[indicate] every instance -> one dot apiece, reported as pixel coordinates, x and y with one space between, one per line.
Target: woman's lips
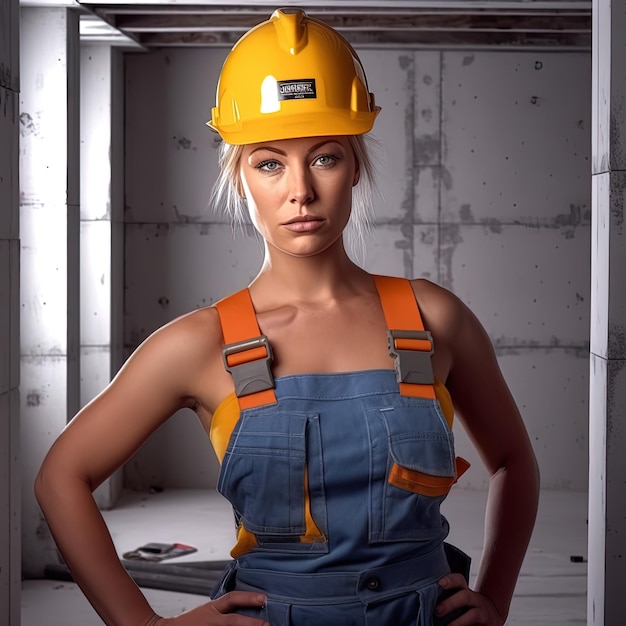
304 224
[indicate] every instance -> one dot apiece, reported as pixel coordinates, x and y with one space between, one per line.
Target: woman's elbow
520 466
43 484
52 480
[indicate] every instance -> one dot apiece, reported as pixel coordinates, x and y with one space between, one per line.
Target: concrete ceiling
529 24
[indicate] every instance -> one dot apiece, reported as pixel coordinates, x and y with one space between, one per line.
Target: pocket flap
425 484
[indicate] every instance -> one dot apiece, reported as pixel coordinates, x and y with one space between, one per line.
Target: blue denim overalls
336 483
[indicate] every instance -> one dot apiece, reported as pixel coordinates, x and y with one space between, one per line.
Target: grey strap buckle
250 376
412 366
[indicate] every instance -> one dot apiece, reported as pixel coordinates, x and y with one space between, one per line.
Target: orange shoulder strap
248 356
412 348
409 344
247 353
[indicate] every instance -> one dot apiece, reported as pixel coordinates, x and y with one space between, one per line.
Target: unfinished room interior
502 178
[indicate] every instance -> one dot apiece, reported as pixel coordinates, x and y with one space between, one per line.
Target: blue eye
268 166
325 160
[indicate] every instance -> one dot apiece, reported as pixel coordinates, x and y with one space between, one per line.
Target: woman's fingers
453 581
478 608
226 604
236 599
460 600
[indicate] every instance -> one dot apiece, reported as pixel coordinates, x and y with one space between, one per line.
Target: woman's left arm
492 420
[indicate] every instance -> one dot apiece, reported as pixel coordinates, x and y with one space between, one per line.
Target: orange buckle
412 351
249 363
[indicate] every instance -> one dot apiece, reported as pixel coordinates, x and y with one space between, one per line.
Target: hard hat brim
302 125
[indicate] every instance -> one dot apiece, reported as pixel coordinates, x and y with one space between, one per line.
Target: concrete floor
551 590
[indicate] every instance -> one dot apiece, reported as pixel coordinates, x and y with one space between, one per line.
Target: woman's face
299 191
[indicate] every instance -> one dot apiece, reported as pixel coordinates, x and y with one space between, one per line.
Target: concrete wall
10 519
101 228
49 232
486 191
607 416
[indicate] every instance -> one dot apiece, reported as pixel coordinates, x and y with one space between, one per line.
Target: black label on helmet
296 89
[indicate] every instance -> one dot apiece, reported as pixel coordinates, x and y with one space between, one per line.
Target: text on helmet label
296 89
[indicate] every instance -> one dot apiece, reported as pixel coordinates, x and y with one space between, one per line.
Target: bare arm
486 407
489 413
158 379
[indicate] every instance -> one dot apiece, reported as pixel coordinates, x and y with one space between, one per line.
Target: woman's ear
357 175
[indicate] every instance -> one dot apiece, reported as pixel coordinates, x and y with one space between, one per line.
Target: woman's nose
301 188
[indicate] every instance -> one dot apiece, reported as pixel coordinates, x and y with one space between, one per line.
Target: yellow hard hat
291 76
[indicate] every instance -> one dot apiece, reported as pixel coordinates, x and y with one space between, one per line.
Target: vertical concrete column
49 217
10 489
101 228
607 419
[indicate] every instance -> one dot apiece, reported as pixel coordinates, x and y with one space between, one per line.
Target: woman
321 386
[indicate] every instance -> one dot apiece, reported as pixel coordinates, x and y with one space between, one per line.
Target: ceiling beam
573 23
439 23
413 39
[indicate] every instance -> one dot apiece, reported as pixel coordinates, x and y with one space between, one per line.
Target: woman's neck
319 279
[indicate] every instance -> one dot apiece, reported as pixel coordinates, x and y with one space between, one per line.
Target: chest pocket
411 450
266 477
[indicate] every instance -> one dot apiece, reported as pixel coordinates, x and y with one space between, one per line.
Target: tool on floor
159 551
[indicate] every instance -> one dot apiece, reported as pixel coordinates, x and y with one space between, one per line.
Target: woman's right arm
160 378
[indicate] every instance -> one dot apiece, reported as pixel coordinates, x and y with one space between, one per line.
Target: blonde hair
227 197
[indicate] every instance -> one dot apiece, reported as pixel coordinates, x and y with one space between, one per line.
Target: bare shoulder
188 338
179 356
459 337
193 333
443 313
